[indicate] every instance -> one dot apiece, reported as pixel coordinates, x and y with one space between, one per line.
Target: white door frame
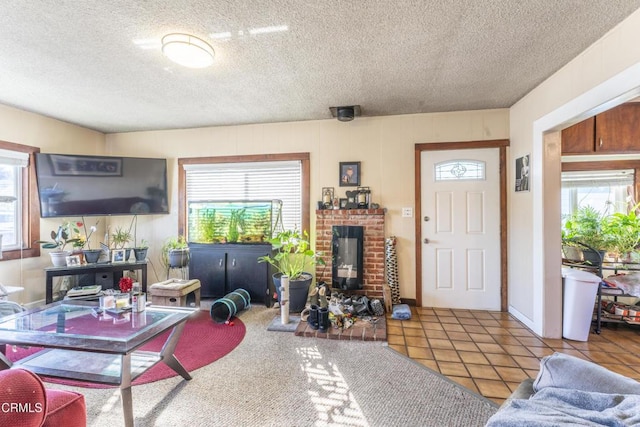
502 145
547 282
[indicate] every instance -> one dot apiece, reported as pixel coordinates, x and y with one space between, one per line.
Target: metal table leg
167 353
125 390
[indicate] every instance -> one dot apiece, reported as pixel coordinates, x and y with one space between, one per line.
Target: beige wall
51 136
605 74
384 145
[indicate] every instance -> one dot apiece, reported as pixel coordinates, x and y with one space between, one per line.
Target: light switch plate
407 212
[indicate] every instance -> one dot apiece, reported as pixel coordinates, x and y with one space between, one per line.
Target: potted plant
60 238
571 251
90 255
119 239
624 232
292 253
140 251
585 226
175 252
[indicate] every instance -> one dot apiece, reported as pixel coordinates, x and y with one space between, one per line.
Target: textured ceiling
98 63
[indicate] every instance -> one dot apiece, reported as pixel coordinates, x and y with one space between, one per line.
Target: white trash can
579 294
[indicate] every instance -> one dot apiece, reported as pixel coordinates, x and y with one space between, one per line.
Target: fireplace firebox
347 257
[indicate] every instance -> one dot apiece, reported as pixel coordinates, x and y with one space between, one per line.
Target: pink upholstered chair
24 402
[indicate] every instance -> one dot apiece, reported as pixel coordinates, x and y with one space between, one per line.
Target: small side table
174 292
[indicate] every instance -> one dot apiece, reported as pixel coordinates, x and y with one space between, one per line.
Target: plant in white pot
60 238
292 254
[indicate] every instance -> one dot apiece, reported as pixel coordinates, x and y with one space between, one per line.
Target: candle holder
327 197
363 197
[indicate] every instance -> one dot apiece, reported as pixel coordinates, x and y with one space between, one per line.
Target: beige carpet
279 379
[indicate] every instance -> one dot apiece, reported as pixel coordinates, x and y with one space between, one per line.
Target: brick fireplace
372 221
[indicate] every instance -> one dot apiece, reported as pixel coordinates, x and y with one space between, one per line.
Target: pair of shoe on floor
318 318
318 296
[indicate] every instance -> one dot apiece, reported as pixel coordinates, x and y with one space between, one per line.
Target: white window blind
279 180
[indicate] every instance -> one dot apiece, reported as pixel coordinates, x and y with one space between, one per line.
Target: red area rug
202 342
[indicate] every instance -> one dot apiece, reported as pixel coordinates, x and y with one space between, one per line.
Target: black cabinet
222 268
208 264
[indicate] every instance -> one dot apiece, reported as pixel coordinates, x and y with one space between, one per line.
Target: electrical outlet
407 212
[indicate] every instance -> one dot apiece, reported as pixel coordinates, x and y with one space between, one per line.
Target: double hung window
279 177
19 219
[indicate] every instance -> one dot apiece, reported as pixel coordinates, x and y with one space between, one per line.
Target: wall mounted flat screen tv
75 185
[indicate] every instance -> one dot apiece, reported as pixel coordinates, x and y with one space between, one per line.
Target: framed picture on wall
522 173
349 174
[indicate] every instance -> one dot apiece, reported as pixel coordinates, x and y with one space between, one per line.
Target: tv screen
75 185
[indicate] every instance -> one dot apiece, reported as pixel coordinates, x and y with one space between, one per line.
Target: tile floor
490 353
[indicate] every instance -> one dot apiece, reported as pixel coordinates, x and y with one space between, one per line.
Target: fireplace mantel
324 213
374 240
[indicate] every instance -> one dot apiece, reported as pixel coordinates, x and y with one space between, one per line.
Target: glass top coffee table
84 345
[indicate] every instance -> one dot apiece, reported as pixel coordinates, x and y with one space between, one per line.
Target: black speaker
345 114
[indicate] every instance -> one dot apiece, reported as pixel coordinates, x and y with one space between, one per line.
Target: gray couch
571 391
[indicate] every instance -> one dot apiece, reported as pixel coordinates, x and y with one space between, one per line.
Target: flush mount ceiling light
345 113
188 51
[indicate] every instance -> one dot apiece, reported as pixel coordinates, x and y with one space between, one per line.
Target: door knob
426 218
426 241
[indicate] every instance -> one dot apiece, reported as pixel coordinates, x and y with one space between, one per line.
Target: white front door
461 228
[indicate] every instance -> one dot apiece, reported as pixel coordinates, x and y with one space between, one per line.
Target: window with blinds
11 166
277 180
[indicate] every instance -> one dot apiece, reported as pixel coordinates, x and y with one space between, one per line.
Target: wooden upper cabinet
618 130
579 138
614 131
